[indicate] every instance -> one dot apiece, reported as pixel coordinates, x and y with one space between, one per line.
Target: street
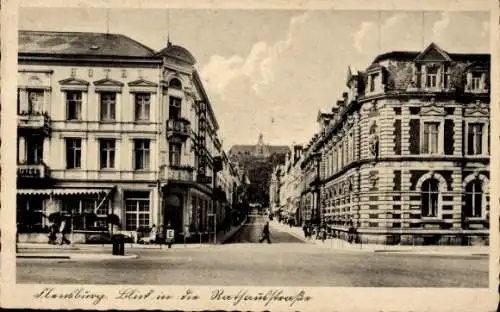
252 232
286 261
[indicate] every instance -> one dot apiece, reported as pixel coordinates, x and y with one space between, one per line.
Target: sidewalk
29 248
338 244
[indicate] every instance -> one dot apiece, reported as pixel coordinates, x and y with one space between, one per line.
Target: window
174 156
30 215
446 78
431 136
476 81
35 101
351 147
136 210
430 198
431 77
142 106
473 199
73 153
74 105
108 105
102 212
174 111
175 84
107 153
141 154
34 150
475 139
372 82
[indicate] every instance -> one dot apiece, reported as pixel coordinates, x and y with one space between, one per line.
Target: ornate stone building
108 126
403 156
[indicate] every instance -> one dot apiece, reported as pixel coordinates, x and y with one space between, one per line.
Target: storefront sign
29 173
204 179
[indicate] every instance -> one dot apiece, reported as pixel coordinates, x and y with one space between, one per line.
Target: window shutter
482 82
414 136
424 76
448 136
468 85
397 136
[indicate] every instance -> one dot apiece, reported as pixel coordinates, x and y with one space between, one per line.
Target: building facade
403 156
107 126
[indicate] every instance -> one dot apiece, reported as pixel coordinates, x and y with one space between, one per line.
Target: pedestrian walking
265 234
304 228
53 233
63 229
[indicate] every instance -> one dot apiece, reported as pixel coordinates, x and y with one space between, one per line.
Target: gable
142 83
73 82
108 82
433 53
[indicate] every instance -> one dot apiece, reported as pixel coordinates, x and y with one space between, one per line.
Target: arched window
430 198
175 83
473 199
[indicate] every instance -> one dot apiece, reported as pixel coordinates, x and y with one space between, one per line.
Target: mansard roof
81 43
431 49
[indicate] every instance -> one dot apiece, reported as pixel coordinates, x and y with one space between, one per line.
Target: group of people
320 231
58 231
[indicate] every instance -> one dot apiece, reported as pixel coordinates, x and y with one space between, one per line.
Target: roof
411 55
179 53
273 149
80 43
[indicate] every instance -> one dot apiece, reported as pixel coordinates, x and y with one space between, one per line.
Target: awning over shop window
64 191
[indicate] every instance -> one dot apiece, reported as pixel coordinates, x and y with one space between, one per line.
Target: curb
97 257
231 234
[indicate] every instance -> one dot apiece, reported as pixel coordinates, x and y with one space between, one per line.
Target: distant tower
260 148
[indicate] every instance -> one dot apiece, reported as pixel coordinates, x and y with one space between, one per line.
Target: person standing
265 234
168 229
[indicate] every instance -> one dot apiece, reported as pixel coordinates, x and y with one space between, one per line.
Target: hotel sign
29 172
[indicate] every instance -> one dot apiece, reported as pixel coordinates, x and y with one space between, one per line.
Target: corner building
404 155
108 126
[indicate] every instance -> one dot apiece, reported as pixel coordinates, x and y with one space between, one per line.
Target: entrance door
173 212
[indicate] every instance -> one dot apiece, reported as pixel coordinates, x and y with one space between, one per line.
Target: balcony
34 121
36 171
180 173
178 129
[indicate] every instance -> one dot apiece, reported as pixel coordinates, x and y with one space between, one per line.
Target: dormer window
476 81
431 77
373 78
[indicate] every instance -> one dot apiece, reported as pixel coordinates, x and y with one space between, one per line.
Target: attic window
94 47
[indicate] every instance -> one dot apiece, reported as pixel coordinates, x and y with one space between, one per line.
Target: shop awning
64 191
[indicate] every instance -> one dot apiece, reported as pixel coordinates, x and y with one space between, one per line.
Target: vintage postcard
309 156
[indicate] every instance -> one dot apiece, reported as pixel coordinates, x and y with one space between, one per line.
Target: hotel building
108 126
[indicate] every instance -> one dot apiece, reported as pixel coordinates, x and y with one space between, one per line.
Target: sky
271 71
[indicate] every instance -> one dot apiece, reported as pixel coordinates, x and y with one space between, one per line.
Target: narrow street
251 232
